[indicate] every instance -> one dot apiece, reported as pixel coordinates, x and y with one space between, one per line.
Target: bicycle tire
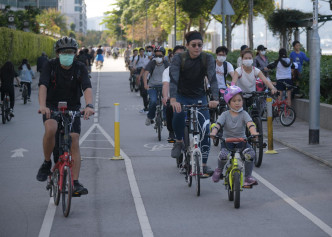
229 189
197 176
237 189
159 124
25 94
258 144
67 191
131 84
188 166
55 187
287 118
3 112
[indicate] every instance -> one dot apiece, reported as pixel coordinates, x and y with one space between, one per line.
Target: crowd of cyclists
187 75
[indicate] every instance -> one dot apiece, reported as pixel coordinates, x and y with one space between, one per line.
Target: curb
303 152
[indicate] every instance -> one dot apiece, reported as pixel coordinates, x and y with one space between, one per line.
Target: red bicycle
60 181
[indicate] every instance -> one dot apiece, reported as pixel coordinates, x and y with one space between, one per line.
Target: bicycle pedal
76 195
247 186
205 176
171 140
264 145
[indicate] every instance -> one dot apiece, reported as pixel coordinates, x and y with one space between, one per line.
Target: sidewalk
296 137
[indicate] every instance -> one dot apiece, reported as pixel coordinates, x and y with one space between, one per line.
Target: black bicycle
25 92
159 112
254 111
5 109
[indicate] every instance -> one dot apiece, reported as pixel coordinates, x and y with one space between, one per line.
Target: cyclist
26 74
127 54
234 123
7 75
40 61
245 77
223 68
239 59
188 71
284 67
144 93
92 54
155 68
169 110
139 64
100 56
132 60
261 61
63 79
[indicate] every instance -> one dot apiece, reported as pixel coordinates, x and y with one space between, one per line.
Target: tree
72 26
54 21
283 22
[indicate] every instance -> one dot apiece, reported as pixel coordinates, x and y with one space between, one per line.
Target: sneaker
44 171
141 111
79 189
177 149
217 175
29 99
11 113
148 122
146 110
171 136
207 171
248 181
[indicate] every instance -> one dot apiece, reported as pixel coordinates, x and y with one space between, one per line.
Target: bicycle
132 82
60 181
159 112
281 109
25 92
233 169
222 107
254 112
192 162
5 109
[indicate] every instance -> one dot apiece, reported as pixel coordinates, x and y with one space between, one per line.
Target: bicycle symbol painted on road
158 147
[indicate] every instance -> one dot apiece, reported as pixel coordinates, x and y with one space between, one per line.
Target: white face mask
237 111
247 62
263 52
149 54
221 58
158 60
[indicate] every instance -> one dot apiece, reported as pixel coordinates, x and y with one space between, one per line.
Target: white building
75 11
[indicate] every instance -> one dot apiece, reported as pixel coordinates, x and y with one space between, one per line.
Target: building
75 10
21 4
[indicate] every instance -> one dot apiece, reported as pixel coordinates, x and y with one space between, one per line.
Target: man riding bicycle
188 71
63 79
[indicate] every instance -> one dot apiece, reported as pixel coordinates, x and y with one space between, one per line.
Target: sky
98 7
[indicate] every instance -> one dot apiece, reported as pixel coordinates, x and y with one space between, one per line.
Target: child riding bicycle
234 123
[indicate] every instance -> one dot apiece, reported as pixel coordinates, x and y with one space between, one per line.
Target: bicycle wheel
55 186
237 189
257 145
25 94
159 124
67 191
197 176
188 165
3 112
131 85
229 189
287 116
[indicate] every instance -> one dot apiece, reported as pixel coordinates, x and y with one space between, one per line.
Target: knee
50 129
223 155
249 154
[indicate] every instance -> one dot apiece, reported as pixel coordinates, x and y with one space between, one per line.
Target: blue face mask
66 59
149 54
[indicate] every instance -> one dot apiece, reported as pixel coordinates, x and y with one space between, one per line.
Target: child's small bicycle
233 170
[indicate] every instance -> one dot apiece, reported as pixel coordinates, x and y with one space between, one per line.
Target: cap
243 47
261 47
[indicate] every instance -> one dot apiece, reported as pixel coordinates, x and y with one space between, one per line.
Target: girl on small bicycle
284 67
245 76
26 75
234 123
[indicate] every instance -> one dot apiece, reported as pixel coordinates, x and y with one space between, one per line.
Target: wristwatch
89 106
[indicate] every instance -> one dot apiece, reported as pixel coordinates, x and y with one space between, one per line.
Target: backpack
185 55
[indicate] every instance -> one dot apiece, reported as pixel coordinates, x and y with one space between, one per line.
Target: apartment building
75 10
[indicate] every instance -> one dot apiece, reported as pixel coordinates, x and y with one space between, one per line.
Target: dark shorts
76 126
281 86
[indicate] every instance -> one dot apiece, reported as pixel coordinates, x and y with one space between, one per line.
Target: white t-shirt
284 72
166 77
247 81
141 62
221 76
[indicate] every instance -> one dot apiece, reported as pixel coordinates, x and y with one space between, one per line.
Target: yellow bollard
270 149
117 134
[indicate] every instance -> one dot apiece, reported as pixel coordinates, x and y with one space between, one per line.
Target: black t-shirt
191 82
64 85
99 51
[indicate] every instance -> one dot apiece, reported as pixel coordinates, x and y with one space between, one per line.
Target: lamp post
174 24
11 20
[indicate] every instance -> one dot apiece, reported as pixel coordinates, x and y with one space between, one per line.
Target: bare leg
49 138
76 155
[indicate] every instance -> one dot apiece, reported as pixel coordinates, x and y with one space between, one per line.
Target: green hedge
16 45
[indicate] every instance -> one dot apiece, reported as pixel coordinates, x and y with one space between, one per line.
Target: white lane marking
284 148
139 205
48 220
158 147
96 148
94 157
96 117
18 152
318 222
96 140
45 229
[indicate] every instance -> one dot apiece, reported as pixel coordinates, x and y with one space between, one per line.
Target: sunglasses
67 51
158 56
195 45
149 51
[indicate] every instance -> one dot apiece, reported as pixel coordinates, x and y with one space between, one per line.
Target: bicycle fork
196 153
234 166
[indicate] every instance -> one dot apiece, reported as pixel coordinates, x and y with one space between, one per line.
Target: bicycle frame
236 165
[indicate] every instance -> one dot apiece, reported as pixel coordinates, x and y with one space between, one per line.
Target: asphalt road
144 194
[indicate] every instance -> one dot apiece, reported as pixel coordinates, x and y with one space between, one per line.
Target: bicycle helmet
160 49
66 43
230 92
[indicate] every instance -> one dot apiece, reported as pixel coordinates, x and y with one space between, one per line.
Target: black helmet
160 49
66 43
